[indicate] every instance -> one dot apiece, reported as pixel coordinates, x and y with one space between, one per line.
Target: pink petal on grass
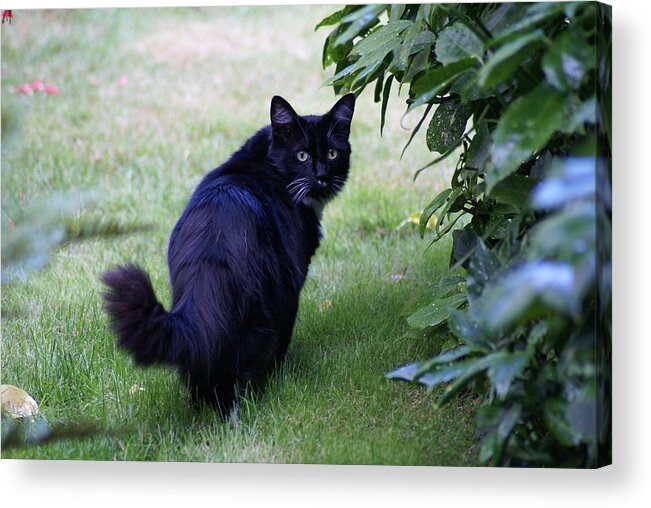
37 84
24 89
123 80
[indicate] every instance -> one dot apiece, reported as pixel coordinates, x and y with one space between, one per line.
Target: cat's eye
332 154
302 155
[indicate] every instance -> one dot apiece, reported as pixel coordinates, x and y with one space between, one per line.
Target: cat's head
314 151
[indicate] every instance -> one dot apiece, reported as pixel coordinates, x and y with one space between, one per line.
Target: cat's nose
321 173
322 183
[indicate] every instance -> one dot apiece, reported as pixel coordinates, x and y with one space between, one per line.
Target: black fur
238 258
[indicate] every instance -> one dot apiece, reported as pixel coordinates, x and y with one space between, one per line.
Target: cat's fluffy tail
143 326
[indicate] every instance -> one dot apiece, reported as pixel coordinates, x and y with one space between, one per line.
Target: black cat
238 257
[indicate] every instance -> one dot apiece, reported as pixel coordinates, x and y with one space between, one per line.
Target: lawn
149 101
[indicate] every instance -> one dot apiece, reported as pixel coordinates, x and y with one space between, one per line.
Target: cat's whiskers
298 180
295 187
302 192
298 188
295 183
338 183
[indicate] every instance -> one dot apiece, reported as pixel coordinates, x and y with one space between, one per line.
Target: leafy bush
31 232
33 229
523 100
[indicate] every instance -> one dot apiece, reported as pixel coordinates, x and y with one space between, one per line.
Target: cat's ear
342 113
283 117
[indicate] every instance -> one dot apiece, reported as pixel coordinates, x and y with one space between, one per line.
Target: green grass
199 83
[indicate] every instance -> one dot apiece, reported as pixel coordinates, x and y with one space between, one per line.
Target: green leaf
447 126
385 36
344 85
482 268
407 46
527 125
385 101
443 375
514 18
504 17
435 205
581 413
43 225
435 80
471 369
572 179
442 372
419 63
341 74
449 222
405 373
335 17
466 87
505 61
366 75
502 224
531 290
359 21
556 420
450 344
480 147
454 203
371 52
449 285
499 422
396 12
420 43
335 53
567 235
417 128
440 158
436 312
435 371
504 370
464 243
514 190
568 60
584 113
379 83
85 228
457 42
468 329
444 359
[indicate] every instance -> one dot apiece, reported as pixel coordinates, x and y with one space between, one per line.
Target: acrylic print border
625 481
40 89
